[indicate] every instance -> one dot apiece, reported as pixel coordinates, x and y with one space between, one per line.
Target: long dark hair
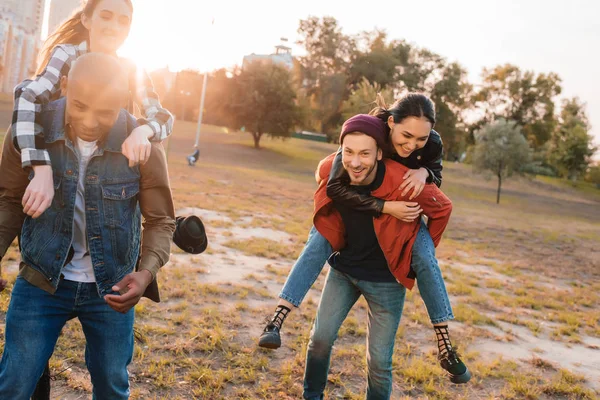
70 31
411 105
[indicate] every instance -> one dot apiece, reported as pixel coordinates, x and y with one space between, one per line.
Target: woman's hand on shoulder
40 191
414 179
137 146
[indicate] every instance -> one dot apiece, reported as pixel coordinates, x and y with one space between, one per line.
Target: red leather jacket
395 237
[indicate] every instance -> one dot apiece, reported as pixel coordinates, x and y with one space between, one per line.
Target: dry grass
532 262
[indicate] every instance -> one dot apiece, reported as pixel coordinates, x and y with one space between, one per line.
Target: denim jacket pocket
119 202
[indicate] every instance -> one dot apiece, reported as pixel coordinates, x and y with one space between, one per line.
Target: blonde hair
71 31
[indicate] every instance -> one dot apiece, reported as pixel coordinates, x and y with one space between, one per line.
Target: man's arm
156 204
13 182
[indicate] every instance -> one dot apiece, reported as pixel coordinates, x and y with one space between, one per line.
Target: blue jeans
307 268
33 323
431 284
429 278
385 302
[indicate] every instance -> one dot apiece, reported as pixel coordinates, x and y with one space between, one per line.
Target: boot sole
268 344
459 379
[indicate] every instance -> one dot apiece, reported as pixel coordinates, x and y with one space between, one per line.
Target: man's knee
110 381
379 362
320 345
17 379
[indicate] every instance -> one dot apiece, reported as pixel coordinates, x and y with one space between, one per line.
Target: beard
363 177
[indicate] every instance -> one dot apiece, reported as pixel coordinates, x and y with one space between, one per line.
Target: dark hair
411 105
71 31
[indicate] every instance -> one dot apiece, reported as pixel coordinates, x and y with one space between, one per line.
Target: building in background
27 14
20 30
60 10
282 56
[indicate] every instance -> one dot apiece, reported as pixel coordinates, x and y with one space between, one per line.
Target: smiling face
92 109
108 25
359 157
409 135
95 90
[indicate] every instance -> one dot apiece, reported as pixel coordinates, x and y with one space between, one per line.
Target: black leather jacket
428 157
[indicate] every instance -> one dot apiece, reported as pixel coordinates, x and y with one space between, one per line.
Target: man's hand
40 191
132 288
415 179
137 146
403 210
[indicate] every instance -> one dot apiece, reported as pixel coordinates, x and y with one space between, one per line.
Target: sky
543 36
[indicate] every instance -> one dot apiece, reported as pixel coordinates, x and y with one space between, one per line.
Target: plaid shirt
31 94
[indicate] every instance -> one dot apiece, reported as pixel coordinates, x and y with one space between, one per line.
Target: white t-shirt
80 268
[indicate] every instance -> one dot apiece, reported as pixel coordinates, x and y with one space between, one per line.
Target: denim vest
112 211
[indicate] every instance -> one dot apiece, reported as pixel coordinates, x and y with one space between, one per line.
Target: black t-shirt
362 258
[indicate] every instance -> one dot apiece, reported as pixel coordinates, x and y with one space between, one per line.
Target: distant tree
220 95
502 149
325 69
422 70
362 99
519 96
328 50
593 174
571 147
183 98
451 93
377 62
264 101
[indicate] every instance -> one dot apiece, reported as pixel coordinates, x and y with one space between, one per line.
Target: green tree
362 98
422 70
519 96
571 148
324 69
451 93
377 63
264 101
328 50
593 175
502 149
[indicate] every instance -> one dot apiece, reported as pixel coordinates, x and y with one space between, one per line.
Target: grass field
524 280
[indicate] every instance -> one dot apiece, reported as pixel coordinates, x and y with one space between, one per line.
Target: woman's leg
435 296
302 276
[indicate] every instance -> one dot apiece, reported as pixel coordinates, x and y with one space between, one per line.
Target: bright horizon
543 36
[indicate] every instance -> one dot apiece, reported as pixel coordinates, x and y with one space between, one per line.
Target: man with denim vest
84 257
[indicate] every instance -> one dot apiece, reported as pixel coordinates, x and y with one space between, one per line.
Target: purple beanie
367 124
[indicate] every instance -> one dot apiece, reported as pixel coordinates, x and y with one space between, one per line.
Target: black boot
270 338
42 390
448 357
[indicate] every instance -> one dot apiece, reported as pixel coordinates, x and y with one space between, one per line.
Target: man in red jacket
372 256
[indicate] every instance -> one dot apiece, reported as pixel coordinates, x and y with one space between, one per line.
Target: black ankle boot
448 357
270 338
457 370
